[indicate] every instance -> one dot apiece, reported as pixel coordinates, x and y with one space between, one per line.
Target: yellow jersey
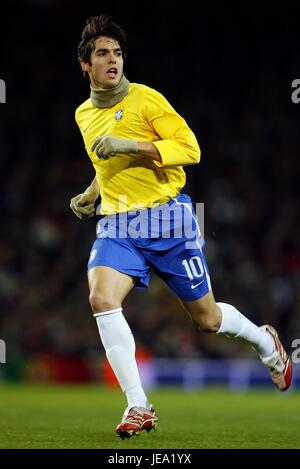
131 181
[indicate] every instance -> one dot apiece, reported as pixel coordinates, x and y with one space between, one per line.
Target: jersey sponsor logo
119 114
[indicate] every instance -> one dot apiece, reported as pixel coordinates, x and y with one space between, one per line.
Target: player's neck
111 96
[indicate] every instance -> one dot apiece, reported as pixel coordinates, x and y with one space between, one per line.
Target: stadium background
229 74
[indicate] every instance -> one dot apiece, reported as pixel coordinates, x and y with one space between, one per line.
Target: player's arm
149 150
83 205
107 146
177 144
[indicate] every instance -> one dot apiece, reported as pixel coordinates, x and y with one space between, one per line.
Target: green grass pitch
40 416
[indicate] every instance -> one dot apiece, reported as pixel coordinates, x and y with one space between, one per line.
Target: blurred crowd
236 98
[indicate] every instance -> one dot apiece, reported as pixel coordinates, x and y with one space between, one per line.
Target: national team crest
119 114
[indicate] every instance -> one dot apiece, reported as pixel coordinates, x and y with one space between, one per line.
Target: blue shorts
166 239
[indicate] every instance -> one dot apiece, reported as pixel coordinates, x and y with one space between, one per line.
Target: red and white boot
279 363
136 419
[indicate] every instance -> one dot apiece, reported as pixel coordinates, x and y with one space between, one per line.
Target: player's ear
85 67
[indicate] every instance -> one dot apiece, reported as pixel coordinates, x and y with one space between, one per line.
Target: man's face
107 63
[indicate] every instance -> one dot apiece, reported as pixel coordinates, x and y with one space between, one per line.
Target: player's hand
83 205
107 146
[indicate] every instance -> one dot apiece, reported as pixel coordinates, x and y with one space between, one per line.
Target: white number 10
193 267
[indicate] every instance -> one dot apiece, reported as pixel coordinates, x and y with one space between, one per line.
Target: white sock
119 345
236 325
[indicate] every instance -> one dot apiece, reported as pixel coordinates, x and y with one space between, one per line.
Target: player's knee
208 325
208 321
101 302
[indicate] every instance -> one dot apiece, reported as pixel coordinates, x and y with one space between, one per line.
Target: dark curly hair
96 26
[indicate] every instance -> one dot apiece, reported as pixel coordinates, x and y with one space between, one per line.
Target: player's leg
182 265
108 288
224 318
191 282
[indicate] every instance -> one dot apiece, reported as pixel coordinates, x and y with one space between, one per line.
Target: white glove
107 146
